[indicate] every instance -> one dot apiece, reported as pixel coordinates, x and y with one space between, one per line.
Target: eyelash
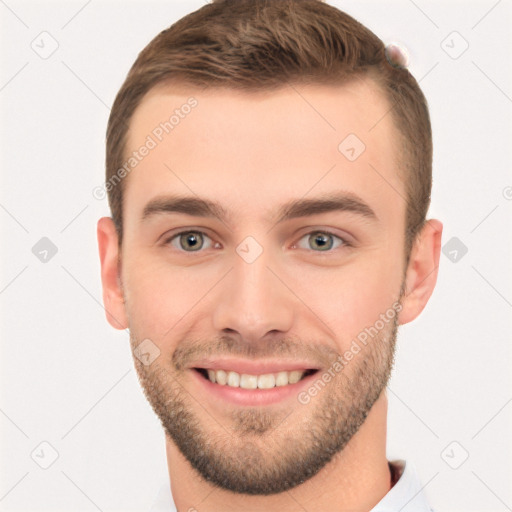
344 243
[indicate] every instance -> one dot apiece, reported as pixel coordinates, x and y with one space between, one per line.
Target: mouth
232 379
239 382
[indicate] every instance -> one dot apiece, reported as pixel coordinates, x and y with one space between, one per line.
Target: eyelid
345 239
170 237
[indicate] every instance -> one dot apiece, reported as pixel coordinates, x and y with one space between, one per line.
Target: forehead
253 149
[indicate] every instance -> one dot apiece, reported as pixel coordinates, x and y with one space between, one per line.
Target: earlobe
113 298
421 275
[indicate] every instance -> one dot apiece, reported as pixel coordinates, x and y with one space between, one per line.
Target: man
293 153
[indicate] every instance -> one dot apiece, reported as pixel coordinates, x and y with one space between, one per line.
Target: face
261 268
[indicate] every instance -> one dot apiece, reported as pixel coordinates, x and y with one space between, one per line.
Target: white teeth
233 379
247 381
221 377
266 381
282 379
294 377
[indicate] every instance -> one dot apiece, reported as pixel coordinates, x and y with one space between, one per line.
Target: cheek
352 298
155 297
161 297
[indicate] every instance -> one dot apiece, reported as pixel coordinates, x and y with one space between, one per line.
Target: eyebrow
199 207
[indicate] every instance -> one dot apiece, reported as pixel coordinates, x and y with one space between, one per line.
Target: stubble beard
263 451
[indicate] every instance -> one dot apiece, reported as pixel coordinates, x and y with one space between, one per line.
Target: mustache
227 346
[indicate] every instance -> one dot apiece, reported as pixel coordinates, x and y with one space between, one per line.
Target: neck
355 480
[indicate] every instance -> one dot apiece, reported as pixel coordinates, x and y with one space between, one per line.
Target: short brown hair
262 45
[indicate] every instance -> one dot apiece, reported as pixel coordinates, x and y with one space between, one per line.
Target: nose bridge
253 280
253 301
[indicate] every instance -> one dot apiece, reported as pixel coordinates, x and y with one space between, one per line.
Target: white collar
406 494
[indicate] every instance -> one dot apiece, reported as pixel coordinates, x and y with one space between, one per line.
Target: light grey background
67 377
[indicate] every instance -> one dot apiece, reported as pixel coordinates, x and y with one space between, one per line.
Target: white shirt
405 496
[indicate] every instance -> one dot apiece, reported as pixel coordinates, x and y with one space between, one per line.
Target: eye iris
320 239
193 239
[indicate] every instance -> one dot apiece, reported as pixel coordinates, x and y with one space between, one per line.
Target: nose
253 300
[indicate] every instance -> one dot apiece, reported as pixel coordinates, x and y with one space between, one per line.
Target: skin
253 152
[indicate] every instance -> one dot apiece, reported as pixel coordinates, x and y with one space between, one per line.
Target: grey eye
191 241
321 241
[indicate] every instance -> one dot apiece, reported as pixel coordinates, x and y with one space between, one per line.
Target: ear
421 274
113 298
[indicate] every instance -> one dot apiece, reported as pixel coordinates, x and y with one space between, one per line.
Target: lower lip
240 396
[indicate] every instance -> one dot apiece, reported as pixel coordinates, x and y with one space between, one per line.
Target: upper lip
254 367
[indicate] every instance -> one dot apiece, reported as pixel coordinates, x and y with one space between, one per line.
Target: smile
247 381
